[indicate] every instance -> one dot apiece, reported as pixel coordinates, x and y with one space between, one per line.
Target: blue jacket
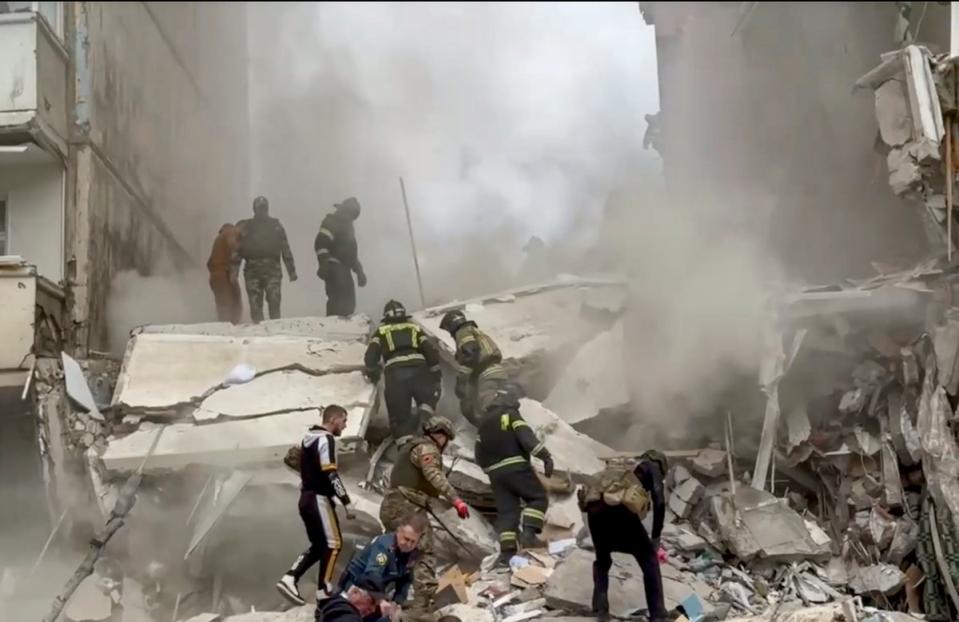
382 560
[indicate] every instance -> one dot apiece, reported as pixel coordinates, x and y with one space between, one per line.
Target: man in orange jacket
224 268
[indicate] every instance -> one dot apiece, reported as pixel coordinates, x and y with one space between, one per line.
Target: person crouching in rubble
417 477
503 451
480 359
356 604
615 502
388 560
320 482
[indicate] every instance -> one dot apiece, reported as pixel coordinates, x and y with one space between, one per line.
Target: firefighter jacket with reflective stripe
336 241
506 441
475 351
400 343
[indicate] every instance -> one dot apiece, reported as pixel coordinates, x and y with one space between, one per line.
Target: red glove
461 508
661 555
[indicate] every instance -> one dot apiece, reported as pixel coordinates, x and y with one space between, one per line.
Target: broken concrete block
593 381
769 529
467 613
573 452
77 388
709 462
686 540
563 515
903 540
88 603
884 578
685 496
474 532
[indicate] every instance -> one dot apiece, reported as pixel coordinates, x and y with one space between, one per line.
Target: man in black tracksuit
412 366
503 450
337 256
320 482
616 529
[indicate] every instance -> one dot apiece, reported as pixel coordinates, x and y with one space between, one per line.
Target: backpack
616 486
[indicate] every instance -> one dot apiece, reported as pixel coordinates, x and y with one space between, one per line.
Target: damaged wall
162 156
766 119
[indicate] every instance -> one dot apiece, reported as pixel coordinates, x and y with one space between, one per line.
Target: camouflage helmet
452 321
439 423
658 457
394 310
261 201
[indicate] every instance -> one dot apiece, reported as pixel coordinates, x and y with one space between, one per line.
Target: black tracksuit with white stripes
320 482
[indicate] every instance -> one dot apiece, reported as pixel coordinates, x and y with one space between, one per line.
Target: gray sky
506 120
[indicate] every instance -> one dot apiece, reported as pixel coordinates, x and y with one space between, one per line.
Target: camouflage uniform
417 477
262 244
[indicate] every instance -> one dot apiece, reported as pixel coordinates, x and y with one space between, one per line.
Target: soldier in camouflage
262 244
416 478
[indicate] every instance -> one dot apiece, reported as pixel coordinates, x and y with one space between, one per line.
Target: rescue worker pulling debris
503 450
337 256
417 477
615 502
262 244
480 372
319 483
412 369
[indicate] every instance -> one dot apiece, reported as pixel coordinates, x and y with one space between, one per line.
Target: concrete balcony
33 82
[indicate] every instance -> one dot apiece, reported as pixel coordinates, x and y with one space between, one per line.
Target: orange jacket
223 257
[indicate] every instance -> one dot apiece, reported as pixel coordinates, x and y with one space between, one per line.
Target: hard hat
394 310
260 201
350 206
452 321
508 395
439 423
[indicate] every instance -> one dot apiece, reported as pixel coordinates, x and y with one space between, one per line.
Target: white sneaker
286 586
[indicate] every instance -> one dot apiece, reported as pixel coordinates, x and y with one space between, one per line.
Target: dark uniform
320 482
337 256
383 562
503 450
480 371
262 244
616 529
412 367
416 478
338 608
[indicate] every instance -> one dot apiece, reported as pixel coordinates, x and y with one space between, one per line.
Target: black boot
528 539
600 594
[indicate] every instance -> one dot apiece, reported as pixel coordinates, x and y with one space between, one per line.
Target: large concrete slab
244 442
168 366
537 328
572 451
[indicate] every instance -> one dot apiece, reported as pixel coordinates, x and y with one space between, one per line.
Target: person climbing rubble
320 482
615 502
503 450
337 255
262 243
412 369
479 358
389 560
224 266
358 603
416 478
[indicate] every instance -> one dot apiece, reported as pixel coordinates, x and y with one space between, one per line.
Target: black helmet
260 201
508 395
658 457
452 321
439 423
394 310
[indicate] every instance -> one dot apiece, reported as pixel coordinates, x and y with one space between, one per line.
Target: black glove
548 465
373 374
361 279
323 270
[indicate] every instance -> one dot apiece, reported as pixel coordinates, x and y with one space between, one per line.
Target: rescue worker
337 255
224 268
389 560
262 244
320 482
615 503
416 478
503 450
356 604
480 372
412 365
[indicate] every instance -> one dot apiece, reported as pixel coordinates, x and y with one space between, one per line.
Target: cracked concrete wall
766 120
161 160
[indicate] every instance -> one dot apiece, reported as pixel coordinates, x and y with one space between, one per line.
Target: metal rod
416 260
53 534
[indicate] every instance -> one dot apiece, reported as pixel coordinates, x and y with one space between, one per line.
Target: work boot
528 539
286 586
503 560
600 595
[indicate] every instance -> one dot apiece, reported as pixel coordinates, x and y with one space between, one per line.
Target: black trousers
511 491
614 529
340 290
323 530
403 386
